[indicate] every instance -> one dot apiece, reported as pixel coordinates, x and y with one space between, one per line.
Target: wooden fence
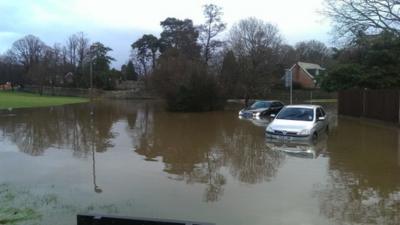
375 104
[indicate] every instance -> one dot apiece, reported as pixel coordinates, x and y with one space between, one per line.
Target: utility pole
289 82
91 78
291 86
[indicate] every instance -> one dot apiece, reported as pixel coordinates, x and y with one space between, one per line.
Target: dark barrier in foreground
108 220
375 104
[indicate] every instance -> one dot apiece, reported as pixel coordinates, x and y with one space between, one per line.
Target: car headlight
304 132
270 130
257 114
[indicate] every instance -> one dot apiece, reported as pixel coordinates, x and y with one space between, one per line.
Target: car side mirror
321 118
272 115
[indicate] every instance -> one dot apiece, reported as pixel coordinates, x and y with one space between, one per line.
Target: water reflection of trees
364 182
247 156
195 147
36 130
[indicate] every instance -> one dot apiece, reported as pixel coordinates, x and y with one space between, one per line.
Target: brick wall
302 78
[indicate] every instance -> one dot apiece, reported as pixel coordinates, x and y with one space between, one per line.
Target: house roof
308 66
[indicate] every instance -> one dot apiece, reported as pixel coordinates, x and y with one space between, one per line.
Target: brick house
304 75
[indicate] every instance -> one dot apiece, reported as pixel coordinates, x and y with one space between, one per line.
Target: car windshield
258 105
292 113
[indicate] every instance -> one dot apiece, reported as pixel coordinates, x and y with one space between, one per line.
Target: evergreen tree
130 72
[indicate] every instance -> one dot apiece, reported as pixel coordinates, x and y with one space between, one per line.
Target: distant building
68 78
6 86
304 75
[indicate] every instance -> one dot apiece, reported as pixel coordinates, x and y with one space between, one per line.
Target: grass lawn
10 99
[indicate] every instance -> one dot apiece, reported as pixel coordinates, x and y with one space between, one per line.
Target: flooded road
132 158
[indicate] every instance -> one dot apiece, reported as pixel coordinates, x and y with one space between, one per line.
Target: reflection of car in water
298 122
261 108
301 149
259 122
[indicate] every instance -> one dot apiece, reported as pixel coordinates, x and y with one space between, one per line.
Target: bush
185 84
341 77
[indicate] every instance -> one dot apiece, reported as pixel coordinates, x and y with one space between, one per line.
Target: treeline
370 56
31 61
197 67
251 60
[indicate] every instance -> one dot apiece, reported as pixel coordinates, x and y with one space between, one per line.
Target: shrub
186 84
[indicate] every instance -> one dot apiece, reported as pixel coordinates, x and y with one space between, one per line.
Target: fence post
398 148
398 115
364 102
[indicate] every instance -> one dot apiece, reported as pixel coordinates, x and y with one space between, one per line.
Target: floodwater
132 158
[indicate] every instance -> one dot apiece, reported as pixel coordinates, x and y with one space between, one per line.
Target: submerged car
298 122
261 109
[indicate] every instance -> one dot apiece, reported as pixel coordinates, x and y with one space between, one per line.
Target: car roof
303 106
268 101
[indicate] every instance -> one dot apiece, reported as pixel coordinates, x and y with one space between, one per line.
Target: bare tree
64 55
287 55
82 49
10 69
256 45
28 50
253 37
210 29
57 63
366 16
312 51
41 72
76 54
10 57
72 49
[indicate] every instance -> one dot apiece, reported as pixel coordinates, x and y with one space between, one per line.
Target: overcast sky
118 23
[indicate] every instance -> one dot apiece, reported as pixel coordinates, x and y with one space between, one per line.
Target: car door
325 122
320 124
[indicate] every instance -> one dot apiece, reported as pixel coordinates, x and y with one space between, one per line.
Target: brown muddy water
132 158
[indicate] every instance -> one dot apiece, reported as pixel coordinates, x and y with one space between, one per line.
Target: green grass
10 99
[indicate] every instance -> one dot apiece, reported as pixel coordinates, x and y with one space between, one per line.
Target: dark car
261 108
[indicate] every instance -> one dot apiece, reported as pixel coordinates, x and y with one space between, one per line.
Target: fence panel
382 105
375 104
350 102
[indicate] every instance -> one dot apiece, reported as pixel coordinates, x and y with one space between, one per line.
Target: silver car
296 122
